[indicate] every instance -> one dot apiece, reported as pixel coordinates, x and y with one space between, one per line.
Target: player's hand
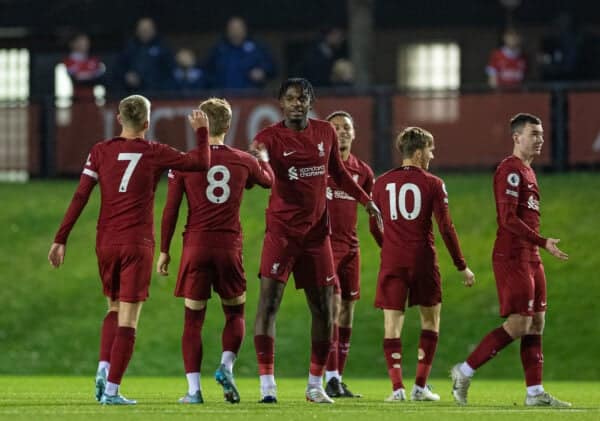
259 152
469 277
198 119
162 266
56 255
551 246
374 211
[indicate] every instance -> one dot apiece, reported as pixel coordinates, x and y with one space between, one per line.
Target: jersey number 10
398 201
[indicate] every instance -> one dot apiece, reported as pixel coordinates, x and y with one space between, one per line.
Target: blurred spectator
146 64
188 75
507 65
237 61
318 62
562 52
342 73
84 70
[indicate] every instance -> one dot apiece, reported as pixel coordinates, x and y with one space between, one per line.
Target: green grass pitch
51 318
68 398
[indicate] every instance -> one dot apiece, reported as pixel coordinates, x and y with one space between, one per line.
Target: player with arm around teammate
212 246
518 268
346 253
408 197
302 153
128 168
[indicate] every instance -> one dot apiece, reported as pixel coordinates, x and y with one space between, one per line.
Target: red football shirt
301 161
408 197
214 197
518 211
508 66
342 206
128 172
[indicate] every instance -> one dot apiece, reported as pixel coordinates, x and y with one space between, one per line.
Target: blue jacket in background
228 66
152 61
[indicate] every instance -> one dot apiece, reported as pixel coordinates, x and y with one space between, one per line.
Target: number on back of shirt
398 201
218 191
133 159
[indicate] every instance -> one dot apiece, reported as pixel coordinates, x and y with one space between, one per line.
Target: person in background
189 77
319 60
507 65
84 70
146 64
237 61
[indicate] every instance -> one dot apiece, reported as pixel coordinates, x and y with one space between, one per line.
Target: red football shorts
125 271
521 286
347 267
309 259
206 267
420 283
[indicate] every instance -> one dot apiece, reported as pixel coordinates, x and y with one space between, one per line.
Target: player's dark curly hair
302 83
520 120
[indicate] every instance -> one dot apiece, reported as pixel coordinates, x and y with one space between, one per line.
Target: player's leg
532 356
132 279
107 337
516 296
232 337
350 295
191 348
393 321
332 375
430 327
269 300
122 349
320 300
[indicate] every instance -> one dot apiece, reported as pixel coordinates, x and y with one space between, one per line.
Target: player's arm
175 190
344 180
197 159
446 227
87 181
506 185
261 172
374 227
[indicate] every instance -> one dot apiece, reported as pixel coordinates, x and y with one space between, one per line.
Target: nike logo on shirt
288 153
330 278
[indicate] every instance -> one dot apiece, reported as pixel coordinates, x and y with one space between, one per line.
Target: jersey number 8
398 201
213 184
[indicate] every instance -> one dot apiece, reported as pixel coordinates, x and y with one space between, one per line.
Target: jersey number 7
133 159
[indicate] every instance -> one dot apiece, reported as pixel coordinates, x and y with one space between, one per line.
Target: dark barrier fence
471 129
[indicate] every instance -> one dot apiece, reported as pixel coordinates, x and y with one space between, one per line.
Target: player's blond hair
134 111
412 139
218 112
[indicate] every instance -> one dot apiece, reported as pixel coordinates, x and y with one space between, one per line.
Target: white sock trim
103 364
535 390
112 389
193 380
467 370
331 374
227 359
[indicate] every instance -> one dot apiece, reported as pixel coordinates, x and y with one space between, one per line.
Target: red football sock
265 354
532 359
235 328
319 351
109 330
343 347
392 349
332 358
191 339
427 346
121 352
487 349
